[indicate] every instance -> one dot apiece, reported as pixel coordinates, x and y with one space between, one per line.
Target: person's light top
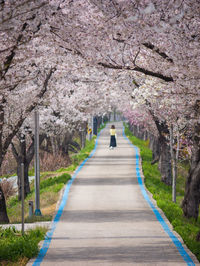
112 132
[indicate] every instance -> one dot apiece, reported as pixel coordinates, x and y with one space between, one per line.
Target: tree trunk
83 138
191 200
99 122
25 157
151 140
133 129
140 132
64 145
109 117
130 126
145 136
165 162
165 156
155 147
54 145
137 132
114 114
21 157
26 180
3 212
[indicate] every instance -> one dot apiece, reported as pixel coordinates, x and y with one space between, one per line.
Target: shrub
50 162
9 164
13 245
63 179
8 188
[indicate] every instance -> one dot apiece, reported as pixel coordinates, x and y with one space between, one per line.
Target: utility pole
173 163
92 125
22 195
37 165
102 123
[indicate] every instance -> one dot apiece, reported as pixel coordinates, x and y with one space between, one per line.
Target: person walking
113 136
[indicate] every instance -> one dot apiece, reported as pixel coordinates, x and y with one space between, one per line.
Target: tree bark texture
165 163
83 138
165 155
3 212
64 147
191 199
54 145
146 135
155 147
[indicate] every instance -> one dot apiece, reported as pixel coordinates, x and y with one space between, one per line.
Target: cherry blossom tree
103 52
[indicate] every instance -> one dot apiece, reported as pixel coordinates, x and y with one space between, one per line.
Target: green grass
102 126
8 175
49 189
83 154
14 245
52 181
31 172
187 228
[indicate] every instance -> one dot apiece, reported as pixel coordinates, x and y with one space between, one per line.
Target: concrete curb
27 226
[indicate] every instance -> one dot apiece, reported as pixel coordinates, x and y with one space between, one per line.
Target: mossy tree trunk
191 199
165 161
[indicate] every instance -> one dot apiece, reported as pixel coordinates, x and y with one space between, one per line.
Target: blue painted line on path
175 240
49 234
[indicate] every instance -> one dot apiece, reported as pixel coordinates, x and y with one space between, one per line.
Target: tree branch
136 57
10 57
27 111
138 69
157 50
14 151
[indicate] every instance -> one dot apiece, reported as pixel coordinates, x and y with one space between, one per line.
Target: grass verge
186 228
17 249
102 126
49 195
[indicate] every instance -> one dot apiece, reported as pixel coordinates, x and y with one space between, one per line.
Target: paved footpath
106 220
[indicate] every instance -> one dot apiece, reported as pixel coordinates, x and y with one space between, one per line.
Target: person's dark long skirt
113 141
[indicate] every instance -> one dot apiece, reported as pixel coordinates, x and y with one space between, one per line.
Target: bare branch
138 69
134 61
14 151
157 50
